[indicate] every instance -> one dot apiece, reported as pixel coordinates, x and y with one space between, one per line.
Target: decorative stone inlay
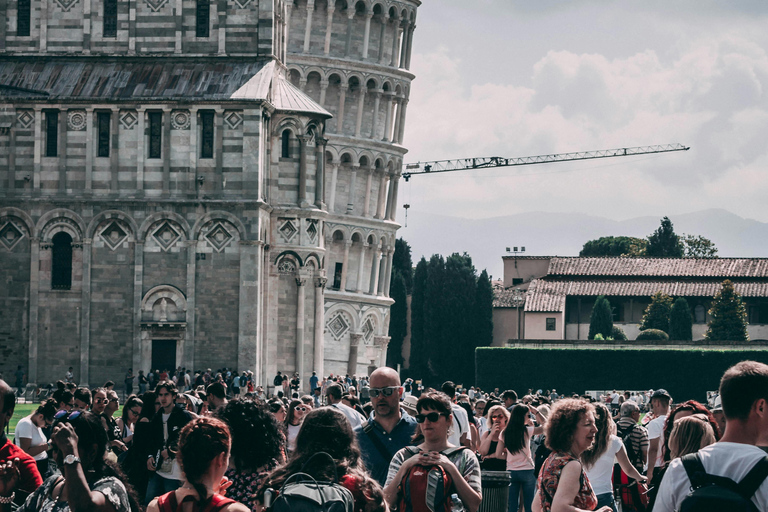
368 329
286 266
128 118
242 3
76 120
113 235
166 235
156 5
233 119
25 118
66 5
180 119
338 325
10 235
312 230
288 230
219 237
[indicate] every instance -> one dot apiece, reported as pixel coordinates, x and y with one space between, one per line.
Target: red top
30 478
167 502
549 477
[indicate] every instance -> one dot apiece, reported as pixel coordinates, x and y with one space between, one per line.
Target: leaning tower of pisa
353 58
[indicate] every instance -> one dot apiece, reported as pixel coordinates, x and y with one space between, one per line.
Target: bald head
384 376
7 403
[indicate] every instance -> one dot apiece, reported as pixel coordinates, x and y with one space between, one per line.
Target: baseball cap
660 393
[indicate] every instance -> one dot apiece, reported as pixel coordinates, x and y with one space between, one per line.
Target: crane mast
464 164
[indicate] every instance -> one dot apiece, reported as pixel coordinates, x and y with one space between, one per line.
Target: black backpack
302 493
720 493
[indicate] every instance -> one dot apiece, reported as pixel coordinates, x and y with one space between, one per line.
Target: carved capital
320 282
381 341
355 338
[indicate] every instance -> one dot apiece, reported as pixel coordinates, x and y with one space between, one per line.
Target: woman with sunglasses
29 434
435 419
87 482
497 419
296 412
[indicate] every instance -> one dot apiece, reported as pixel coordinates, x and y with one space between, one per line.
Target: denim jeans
525 480
605 499
158 486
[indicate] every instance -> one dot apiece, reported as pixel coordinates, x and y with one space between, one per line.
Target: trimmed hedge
651 335
686 373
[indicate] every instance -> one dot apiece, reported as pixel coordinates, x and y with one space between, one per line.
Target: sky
520 78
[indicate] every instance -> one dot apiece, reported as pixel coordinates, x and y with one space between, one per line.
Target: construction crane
465 164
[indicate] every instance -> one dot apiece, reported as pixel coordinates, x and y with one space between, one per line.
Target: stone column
89 149
194 114
388 271
141 151
390 196
352 185
384 21
190 332
249 305
376 100
114 148
342 98
345 265
367 203
301 280
410 47
382 275
367 33
329 29
38 150
382 342
361 266
360 105
308 28
401 123
393 205
34 302
218 132
319 352
303 140
350 17
404 43
388 124
320 172
221 25
354 346
395 36
376 268
323 89
303 84
396 118
380 206
332 196
85 314
288 10
62 147
140 360
132 35
178 14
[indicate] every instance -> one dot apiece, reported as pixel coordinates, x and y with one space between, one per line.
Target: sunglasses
114 400
432 417
375 392
64 415
100 400
135 413
302 409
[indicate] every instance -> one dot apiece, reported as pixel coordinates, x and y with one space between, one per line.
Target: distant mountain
564 234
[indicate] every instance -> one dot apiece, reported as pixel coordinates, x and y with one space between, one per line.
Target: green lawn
23 410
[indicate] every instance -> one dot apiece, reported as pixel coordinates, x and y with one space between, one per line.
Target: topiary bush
652 335
618 334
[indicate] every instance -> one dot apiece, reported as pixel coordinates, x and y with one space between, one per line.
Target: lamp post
518 300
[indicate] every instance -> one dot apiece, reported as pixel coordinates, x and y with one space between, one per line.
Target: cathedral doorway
164 355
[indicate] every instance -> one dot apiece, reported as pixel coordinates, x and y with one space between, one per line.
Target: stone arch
350 315
313 258
339 234
371 240
354 81
289 123
386 86
393 14
367 157
331 154
12 220
357 236
379 162
111 215
219 215
313 87
295 76
347 157
61 219
174 217
372 83
288 262
398 89
164 303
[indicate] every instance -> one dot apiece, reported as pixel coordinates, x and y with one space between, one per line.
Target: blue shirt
313 382
399 438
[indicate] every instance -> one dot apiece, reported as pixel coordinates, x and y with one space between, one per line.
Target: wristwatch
71 459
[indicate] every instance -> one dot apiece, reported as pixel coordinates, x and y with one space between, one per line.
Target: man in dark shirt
29 476
389 428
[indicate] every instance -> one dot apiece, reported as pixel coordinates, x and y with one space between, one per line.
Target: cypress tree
483 328
680 321
398 326
417 366
601 321
664 243
656 315
729 316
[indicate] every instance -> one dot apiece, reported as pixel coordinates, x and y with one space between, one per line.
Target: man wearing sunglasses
389 428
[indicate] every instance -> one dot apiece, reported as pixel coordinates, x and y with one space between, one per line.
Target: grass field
24 410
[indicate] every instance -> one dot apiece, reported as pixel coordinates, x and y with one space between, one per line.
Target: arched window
61 268
203 18
286 152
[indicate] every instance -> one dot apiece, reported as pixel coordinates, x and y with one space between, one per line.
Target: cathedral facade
198 184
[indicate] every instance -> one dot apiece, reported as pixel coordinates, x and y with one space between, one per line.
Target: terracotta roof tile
660 267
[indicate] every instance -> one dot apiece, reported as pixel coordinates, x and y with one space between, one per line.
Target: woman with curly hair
257 447
204 446
516 448
563 484
328 430
598 459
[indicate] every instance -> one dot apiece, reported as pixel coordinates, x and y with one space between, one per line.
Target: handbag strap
368 429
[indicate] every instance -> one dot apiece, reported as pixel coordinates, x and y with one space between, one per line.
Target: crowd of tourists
213 441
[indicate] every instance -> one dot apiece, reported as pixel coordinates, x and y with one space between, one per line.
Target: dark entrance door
164 355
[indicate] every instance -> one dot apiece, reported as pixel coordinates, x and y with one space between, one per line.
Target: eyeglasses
432 417
302 409
375 392
135 413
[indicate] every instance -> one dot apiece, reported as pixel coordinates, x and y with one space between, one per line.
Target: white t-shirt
460 425
615 398
175 473
354 417
25 428
600 474
733 460
656 430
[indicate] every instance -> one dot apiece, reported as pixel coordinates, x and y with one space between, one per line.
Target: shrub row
686 373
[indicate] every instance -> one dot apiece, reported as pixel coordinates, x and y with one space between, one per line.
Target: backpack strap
167 502
217 503
368 429
754 479
695 470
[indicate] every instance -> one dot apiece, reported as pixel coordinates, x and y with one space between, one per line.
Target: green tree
664 243
601 321
728 316
418 360
398 320
657 313
612 246
401 261
483 316
680 321
696 246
